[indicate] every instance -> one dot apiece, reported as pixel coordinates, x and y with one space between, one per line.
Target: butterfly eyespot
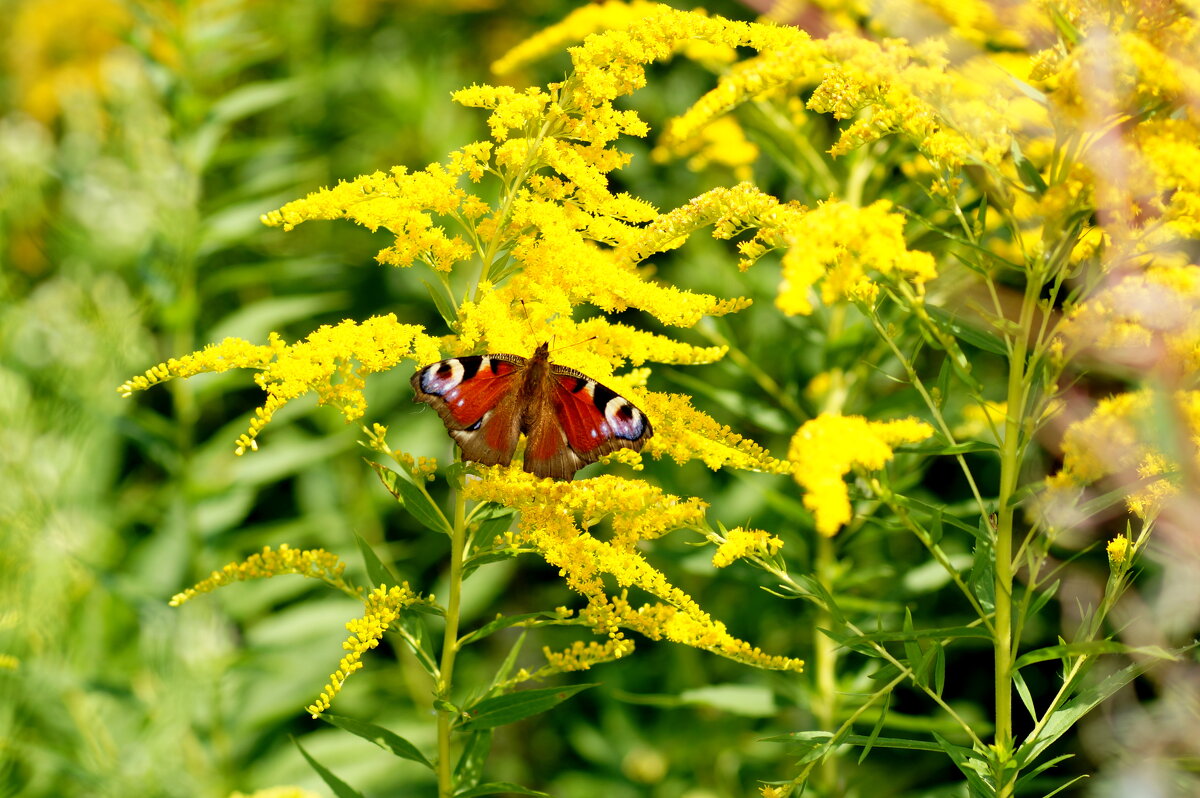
444 369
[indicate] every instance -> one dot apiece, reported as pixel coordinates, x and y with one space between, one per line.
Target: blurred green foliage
139 143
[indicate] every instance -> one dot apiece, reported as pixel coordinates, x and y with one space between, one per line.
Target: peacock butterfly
569 419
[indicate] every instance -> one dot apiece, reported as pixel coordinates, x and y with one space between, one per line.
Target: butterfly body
569 419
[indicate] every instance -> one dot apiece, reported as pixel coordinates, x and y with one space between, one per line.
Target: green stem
446 715
1010 467
825 700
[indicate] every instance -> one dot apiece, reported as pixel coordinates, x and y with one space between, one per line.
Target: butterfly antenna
577 343
528 321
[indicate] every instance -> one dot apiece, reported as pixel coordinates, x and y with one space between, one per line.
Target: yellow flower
581 656
721 142
556 519
828 447
1148 318
741 543
310 563
383 606
837 245
9 663
1118 551
983 420
401 202
60 48
331 362
1118 440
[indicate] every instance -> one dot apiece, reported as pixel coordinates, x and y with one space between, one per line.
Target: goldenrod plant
907 292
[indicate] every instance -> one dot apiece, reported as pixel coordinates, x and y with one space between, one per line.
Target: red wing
595 419
476 398
462 389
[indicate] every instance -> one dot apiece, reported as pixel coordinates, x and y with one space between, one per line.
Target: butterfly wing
476 398
588 420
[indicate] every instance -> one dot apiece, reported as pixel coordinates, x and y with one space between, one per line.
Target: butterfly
569 419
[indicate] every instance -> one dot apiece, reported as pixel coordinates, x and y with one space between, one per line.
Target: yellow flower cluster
683 433
1119 440
9 663
687 625
722 142
331 362
310 563
383 607
582 656
828 447
1148 319
402 202
1118 550
56 49
556 519
739 543
837 244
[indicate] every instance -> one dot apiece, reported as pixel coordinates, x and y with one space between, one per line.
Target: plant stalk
445 770
1010 466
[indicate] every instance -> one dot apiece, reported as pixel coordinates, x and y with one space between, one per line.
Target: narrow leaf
504 709
1026 696
1066 716
475 752
414 499
962 759
503 622
340 788
380 736
443 302
377 572
855 739
874 735
1091 648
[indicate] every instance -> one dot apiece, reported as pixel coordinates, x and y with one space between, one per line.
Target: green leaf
1062 719
444 303
912 649
498 787
473 563
503 622
752 701
1032 774
1091 648
510 660
389 741
1043 598
504 709
962 759
937 445
1027 171
874 735
980 339
494 526
855 739
1026 696
418 642
340 788
377 572
982 579
1066 29
939 668
470 763
414 499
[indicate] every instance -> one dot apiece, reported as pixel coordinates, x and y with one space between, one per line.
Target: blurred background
139 143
